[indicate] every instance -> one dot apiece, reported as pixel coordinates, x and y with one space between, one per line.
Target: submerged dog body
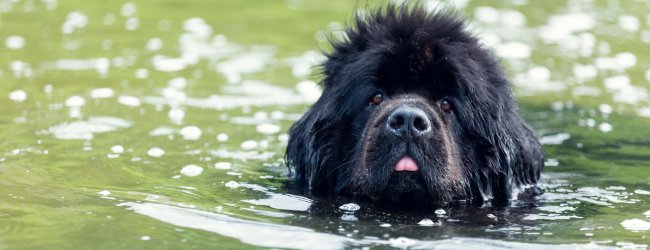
413 108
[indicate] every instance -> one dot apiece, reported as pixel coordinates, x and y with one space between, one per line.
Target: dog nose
409 122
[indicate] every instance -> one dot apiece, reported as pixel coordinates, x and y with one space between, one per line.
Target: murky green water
162 124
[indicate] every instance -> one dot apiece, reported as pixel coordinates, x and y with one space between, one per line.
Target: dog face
413 108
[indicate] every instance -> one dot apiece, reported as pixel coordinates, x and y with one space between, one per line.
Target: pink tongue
406 164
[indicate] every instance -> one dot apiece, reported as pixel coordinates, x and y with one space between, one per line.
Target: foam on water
85 130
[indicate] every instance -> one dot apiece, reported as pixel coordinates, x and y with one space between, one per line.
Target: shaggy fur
479 149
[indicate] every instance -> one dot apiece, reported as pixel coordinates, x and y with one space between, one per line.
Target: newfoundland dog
414 108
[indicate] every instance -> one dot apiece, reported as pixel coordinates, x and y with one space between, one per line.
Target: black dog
414 109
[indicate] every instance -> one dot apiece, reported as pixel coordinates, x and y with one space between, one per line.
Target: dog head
413 108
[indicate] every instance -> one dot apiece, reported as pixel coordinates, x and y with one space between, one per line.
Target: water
163 125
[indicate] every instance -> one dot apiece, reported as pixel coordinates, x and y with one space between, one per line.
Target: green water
162 125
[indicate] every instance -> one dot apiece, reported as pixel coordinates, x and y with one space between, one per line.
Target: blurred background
162 124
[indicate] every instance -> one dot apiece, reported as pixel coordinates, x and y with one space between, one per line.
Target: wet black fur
415 58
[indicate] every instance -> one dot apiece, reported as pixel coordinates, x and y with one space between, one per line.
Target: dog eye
377 99
445 105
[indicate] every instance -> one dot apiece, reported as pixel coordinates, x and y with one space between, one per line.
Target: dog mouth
406 164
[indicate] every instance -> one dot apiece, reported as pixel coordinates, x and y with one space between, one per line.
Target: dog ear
512 156
300 151
311 147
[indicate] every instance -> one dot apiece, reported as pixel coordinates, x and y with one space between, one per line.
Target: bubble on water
223 165
617 82
513 18
401 242
221 137
440 211
197 26
104 193
101 65
173 96
118 149
145 238
128 9
141 73
75 101
154 44
573 21
132 23
585 72
191 170
513 50
74 20
18 95
168 64
177 83
232 184
629 23
384 225
641 191
556 209
426 222
605 127
626 60
486 14
160 131
636 225
191 133
48 88
350 207
268 128
156 152
555 139
283 137
128 100
15 42
176 115
248 145
492 217
101 93
605 109
84 130
234 173
551 162
559 28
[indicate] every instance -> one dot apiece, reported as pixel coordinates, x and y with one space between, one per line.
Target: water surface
162 124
